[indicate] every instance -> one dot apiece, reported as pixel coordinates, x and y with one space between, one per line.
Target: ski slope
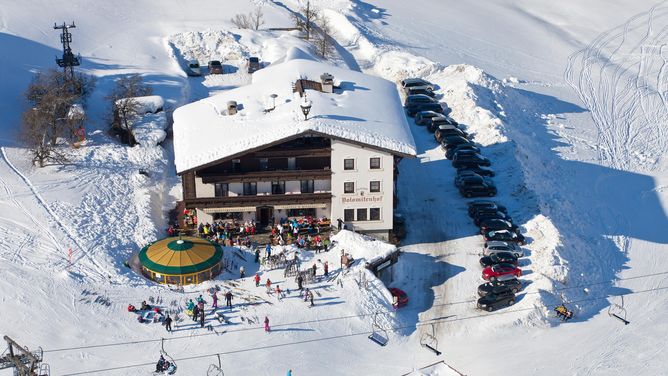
567 99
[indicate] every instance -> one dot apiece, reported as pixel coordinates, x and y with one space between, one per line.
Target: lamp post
273 101
305 105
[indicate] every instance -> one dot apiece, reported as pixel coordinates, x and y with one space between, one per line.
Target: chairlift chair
378 334
172 364
619 312
429 341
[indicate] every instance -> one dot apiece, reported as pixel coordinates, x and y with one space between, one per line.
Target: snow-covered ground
567 98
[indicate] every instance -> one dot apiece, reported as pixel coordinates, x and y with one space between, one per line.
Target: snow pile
149 130
362 247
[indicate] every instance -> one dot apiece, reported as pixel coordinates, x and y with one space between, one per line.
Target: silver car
416 83
495 246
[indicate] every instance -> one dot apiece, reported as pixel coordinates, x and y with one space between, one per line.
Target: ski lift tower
69 60
24 362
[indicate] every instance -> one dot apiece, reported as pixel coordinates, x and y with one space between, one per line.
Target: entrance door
263 215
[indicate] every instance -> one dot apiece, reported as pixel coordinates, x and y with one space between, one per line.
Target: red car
491 273
399 296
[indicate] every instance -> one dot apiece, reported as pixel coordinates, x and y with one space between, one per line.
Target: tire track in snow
98 268
617 77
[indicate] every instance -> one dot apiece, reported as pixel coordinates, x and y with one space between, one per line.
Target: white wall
361 176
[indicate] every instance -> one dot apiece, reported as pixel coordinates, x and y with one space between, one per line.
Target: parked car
400 297
466 180
420 91
193 68
508 282
452 141
416 83
497 224
468 147
442 120
492 273
484 214
436 107
498 258
469 159
215 67
418 98
476 205
477 190
425 117
506 236
480 170
494 246
492 302
442 133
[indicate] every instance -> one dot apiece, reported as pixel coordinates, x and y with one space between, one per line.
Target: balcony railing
259 200
277 175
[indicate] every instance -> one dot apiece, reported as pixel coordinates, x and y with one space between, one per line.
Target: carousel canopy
176 256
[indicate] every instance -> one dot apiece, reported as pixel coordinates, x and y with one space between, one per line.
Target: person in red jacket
266 324
257 280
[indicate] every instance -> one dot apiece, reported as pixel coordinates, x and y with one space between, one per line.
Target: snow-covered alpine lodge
249 153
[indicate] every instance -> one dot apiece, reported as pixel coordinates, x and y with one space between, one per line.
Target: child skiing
266 324
214 297
268 286
257 280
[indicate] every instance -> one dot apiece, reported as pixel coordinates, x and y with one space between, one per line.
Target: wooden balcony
260 200
277 175
294 152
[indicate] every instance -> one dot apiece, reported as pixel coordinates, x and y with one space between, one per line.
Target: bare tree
242 21
257 18
324 41
35 135
305 18
125 108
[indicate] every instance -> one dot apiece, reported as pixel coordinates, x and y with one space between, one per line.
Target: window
301 212
374 214
250 189
307 186
374 163
348 187
221 190
277 187
374 186
236 165
361 214
348 215
292 163
349 164
238 216
264 164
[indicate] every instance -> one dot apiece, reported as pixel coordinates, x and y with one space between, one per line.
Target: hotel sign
361 199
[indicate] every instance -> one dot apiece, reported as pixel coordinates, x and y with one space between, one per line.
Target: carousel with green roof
181 260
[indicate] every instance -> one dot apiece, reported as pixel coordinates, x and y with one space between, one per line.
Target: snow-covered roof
366 109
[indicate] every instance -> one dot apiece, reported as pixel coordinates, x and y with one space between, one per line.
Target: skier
268 250
300 280
268 286
266 324
314 269
214 297
168 323
289 373
162 365
326 268
310 296
306 292
228 299
195 313
242 272
340 223
279 294
201 317
257 255
190 305
257 280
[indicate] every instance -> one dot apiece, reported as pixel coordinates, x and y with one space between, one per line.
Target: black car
418 98
513 284
480 204
215 67
477 190
451 152
497 224
464 180
440 121
480 170
491 302
414 108
452 141
506 236
442 133
480 216
469 159
253 64
416 83
425 117
420 91
498 258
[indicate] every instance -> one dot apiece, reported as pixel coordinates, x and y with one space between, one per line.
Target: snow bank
146 104
150 129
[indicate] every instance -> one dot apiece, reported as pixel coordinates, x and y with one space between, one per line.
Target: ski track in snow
621 78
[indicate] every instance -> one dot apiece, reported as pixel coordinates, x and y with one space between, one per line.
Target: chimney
327 81
231 107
